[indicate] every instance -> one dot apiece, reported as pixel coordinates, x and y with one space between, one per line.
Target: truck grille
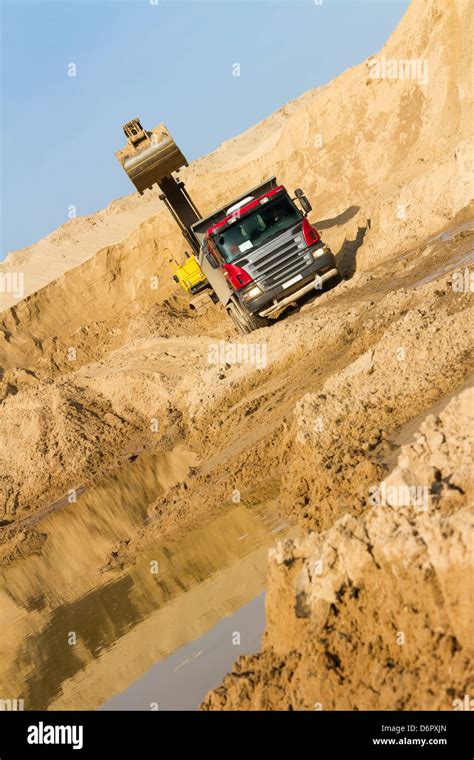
276 262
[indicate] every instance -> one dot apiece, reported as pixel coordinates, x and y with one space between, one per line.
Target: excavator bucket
149 157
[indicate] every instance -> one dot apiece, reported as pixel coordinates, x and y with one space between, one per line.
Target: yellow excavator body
189 275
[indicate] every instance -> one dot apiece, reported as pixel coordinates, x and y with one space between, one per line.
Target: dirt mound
62 435
373 613
331 447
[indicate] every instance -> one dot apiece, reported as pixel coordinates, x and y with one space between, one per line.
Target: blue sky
170 61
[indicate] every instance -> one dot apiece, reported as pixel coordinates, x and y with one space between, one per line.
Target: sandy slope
93 360
376 612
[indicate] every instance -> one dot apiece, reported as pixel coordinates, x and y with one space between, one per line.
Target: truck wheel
245 323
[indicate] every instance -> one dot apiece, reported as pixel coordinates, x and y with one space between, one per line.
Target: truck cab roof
243 209
220 217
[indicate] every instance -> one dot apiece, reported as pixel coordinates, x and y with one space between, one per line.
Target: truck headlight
320 251
251 293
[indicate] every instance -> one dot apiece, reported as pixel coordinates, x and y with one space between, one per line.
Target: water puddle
447 235
72 637
446 252
457 262
181 681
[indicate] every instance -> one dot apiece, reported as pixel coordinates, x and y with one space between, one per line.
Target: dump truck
258 254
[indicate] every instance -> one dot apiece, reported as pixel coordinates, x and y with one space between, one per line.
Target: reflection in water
453 231
461 254
122 622
182 680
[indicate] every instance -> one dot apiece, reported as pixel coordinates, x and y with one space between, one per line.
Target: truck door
210 261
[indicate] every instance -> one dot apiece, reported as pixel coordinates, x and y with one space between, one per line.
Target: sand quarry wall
376 611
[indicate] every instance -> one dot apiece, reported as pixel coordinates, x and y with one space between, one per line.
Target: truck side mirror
303 201
305 204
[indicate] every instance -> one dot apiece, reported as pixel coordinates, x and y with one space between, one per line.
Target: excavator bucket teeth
201 302
149 156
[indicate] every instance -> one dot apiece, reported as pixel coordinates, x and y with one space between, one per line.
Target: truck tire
245 323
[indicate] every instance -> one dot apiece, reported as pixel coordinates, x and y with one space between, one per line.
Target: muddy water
461 252
181 681
460 260
453 231
72 637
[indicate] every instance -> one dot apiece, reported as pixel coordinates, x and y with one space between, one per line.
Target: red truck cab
266 251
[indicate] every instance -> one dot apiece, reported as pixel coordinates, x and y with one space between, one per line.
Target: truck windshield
252 231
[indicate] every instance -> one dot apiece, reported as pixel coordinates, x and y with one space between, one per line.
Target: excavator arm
149 158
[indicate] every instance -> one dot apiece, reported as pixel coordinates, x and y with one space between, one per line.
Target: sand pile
417 359
374 612
62 435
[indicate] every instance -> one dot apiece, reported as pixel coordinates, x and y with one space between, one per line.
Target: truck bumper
312 278
315 284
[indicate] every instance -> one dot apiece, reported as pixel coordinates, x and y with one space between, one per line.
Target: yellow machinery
189 275
193 280
149 158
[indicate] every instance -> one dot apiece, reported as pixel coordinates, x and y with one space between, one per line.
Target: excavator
256 255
